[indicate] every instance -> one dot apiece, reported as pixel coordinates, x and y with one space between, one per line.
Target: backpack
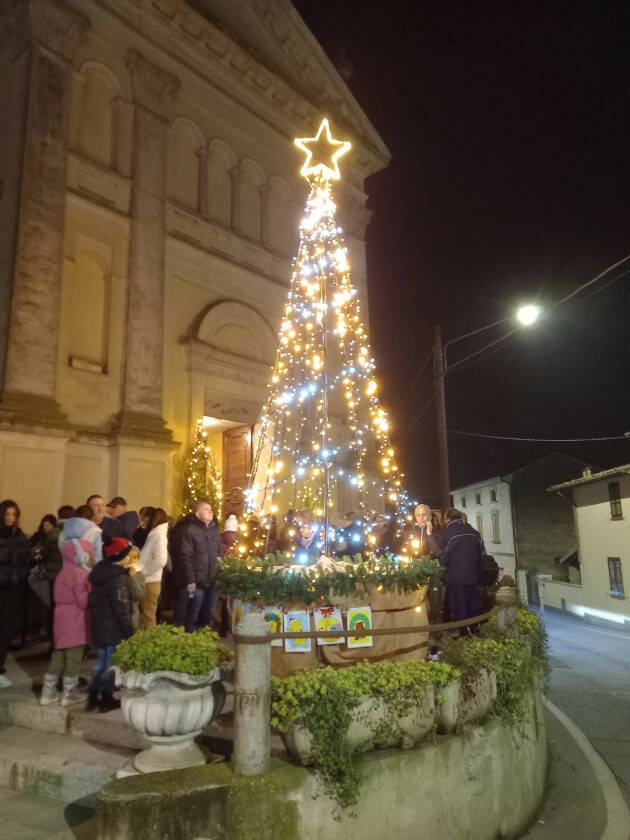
488 570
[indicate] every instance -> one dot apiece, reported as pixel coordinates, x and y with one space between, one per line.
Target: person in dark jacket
46 563
145 515
197 548
14 568
461 560
111 611
109 525
128 519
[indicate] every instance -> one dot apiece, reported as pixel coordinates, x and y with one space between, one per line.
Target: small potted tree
173 688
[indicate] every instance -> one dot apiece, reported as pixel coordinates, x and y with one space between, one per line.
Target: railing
252 683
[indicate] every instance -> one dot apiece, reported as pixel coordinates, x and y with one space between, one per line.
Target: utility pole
439 372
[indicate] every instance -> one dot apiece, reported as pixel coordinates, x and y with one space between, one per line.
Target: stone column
141 414
252 699
30 370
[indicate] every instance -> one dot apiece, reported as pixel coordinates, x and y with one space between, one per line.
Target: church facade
150 205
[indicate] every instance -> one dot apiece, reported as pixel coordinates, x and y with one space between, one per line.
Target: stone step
59 767
19 706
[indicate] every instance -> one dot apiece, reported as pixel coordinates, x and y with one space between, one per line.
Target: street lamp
526 316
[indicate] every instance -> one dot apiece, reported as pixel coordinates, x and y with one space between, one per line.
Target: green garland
254 579
321 699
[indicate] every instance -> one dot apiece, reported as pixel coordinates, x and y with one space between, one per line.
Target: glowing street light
528 314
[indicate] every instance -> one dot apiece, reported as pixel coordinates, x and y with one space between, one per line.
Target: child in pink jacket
71 623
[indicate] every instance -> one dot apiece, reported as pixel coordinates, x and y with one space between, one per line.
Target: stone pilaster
141 415
30 369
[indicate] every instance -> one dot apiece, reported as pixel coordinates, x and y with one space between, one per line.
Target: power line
480 354
417 377
594 280
418 417
427 379
538 440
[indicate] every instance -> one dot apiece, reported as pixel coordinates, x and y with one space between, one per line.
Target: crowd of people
94 574
99 572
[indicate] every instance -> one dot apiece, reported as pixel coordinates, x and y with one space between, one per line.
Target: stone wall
543 522
150 176
486 783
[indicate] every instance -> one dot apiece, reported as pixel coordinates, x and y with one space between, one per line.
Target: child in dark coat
111 609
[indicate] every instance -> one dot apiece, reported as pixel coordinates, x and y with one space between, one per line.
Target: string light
305 447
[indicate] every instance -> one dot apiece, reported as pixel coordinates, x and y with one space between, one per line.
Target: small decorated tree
202 477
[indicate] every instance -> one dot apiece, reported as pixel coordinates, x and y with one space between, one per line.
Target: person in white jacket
153 559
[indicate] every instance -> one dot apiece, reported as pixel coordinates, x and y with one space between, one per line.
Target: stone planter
459 707
365 732
170 709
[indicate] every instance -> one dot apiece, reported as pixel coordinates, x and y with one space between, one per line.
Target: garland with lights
323 440
202 477
257 579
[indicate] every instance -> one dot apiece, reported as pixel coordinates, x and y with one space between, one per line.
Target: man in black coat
194 552
461 559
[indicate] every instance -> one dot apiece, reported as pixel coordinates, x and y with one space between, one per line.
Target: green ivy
168 648
322 699
259 579
515 654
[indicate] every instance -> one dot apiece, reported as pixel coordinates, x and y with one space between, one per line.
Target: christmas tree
202 477
323 439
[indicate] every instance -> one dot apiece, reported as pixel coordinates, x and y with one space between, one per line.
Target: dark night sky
508 125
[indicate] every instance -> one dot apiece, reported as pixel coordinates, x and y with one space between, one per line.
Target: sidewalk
574 806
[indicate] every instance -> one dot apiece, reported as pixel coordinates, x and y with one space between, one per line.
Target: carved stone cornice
201 42
153 87
56 26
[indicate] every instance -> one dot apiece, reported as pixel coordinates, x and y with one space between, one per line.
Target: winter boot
108 702
49 690
70 695
92 701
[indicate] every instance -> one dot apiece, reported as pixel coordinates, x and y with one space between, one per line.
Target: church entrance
236 466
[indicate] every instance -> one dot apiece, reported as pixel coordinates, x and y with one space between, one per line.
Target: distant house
523 526
601 502
487 506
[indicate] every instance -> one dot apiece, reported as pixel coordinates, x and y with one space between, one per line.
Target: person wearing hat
129 519
71 623
111 610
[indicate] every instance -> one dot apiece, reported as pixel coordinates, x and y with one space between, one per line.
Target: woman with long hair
14 569
153 559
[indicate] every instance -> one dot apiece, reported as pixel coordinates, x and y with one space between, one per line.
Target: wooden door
237 463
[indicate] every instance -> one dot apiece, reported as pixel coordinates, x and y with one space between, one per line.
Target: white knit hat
231 523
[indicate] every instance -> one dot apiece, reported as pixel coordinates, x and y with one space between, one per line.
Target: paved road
591 683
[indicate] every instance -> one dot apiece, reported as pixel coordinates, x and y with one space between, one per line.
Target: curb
617 812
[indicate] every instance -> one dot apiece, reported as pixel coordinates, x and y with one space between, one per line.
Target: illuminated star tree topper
323 439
